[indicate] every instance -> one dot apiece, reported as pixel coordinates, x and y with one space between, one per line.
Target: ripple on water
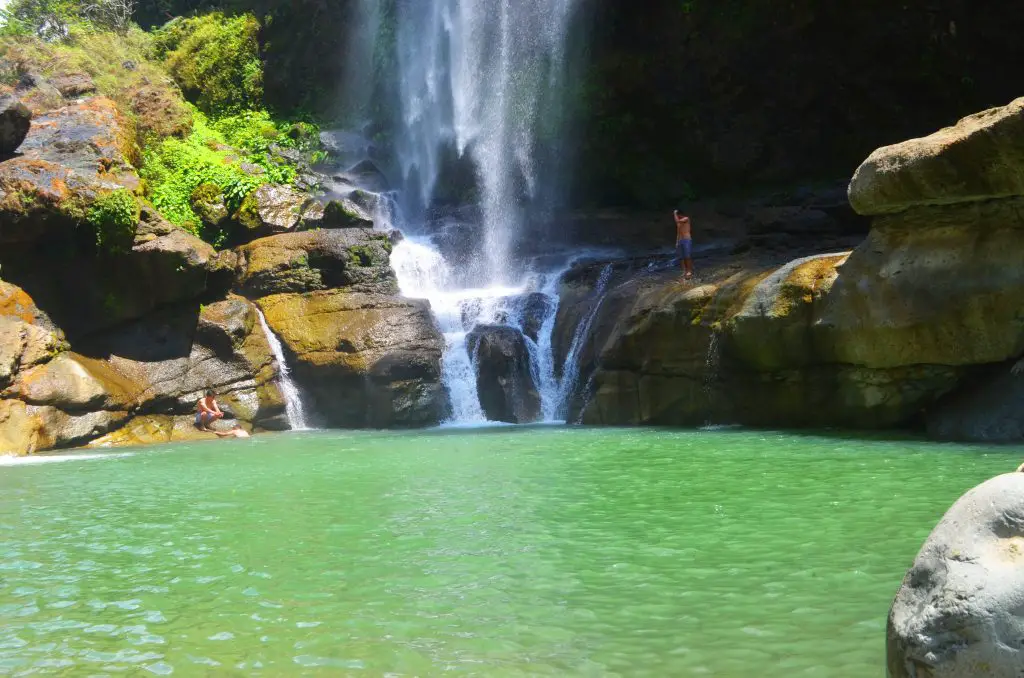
496 552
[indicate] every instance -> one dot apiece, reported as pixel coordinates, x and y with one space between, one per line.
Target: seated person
207 412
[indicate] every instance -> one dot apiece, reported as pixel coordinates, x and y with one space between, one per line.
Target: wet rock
958 613
989 408
344 213
15 121
505 384
365 360
353 259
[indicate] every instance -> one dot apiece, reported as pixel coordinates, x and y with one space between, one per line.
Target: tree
114 15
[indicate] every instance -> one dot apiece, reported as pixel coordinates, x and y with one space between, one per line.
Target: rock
15 120
86 291
505 384
750 348
345 213
158 429
69 157
989 408
958 611
532 310
932 286
209 205
355 259
37 93
73 85
979 158
274 209
161 112
366 360
27 336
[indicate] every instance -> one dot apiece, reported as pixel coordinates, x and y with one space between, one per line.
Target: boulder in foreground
959 612
15 120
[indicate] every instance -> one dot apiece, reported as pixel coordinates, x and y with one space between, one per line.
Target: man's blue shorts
684 249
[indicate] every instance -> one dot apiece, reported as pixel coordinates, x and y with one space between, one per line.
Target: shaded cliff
919 323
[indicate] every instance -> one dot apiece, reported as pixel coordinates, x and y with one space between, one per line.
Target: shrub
215 60
114 217
211 159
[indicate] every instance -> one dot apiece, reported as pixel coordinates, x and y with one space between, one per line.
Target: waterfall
711 362
292 400
478 86
571 369
482 77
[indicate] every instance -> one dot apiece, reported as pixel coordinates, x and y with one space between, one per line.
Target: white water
571 369
482 77
292 400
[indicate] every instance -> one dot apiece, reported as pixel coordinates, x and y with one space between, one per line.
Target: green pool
499 552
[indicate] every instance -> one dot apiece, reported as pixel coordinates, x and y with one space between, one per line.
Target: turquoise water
505 552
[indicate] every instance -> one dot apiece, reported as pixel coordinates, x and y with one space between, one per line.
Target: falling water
571 369
292 401
482 77
711 363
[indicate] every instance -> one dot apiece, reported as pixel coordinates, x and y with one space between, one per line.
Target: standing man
684 243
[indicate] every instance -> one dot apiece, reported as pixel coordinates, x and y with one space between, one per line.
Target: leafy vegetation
114 216
213 157
215 60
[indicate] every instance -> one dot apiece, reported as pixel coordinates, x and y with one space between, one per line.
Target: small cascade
571 369
711 363
292 401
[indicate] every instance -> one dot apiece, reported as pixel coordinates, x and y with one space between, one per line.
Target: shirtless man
207 412
684 243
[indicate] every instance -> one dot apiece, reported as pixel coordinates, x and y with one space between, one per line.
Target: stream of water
289 389
513 551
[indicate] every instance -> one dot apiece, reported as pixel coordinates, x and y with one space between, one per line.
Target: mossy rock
209 204
345 214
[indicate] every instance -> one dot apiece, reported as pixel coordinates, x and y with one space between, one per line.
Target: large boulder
978 158
958 613
505 383
86 291
366 360
71 157
356 259
15 121
145 375
274 208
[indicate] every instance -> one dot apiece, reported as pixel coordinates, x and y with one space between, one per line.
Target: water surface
506 552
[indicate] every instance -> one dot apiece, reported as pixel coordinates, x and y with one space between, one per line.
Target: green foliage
46 19
175 168
215 60
211 158
114 217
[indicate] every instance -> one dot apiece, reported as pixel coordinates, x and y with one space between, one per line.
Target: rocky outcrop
885 335
355 259
505 385
154 368
366 360
70 157
15 120
958 613
274 209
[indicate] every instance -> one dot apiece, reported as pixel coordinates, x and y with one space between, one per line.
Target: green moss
114 217
362 255
215 60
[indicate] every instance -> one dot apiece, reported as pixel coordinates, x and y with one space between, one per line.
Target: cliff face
731 94
114 321
924 312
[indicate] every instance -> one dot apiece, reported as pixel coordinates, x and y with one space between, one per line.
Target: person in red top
684 244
